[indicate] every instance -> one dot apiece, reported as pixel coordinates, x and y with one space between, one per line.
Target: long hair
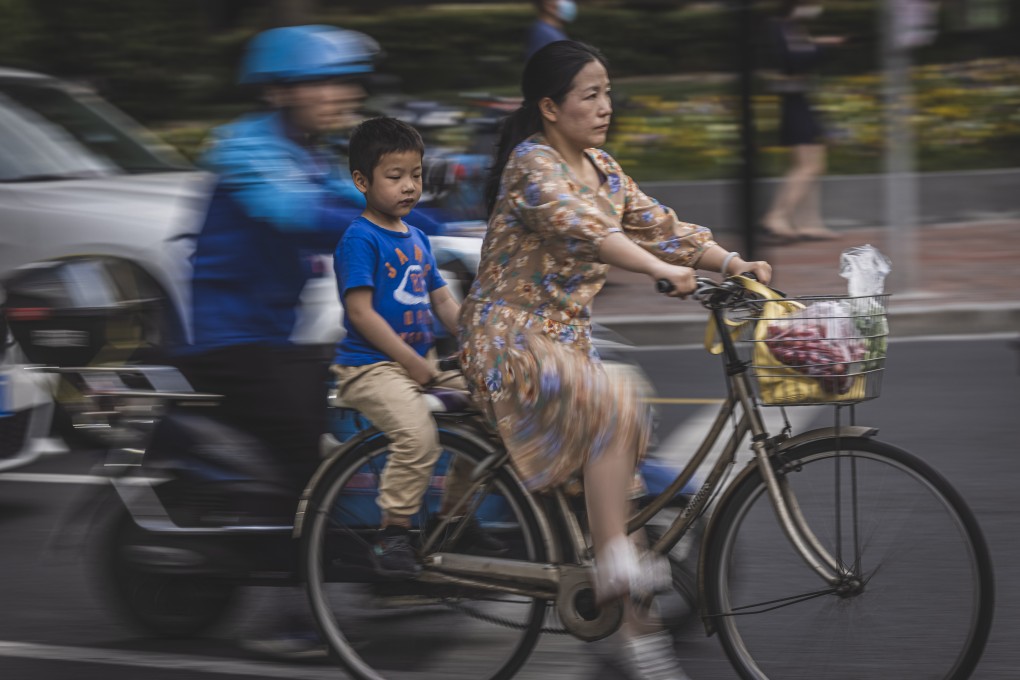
549 73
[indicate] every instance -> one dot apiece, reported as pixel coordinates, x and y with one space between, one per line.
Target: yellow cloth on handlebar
778 384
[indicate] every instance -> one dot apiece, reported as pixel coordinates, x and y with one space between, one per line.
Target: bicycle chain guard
577 610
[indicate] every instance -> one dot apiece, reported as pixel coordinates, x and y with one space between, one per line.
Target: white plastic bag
864 268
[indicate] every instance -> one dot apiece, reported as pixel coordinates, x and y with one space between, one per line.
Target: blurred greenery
172 65
967 117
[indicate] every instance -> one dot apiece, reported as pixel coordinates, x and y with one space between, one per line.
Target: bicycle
817 558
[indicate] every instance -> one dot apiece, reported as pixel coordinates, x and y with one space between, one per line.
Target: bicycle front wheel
403 630
917 602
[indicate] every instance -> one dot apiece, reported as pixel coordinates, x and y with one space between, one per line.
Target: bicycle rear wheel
399 630
923 606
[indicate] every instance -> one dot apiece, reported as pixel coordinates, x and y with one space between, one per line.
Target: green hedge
163 59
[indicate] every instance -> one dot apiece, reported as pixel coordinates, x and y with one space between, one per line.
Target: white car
79 180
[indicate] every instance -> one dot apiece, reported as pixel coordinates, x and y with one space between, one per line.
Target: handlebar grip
664 286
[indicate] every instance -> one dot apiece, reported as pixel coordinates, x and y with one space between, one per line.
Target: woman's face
582 118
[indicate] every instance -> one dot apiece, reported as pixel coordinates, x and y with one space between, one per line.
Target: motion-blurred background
675 64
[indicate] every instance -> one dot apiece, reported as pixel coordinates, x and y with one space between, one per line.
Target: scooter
193 508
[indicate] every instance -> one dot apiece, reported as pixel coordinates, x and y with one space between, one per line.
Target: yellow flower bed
973 106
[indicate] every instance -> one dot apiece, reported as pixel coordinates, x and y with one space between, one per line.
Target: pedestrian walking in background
553 16
795 213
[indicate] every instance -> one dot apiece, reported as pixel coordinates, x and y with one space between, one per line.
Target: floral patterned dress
525 326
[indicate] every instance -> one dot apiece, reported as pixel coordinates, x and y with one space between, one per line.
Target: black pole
748 170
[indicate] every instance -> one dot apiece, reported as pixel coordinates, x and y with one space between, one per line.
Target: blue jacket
275 202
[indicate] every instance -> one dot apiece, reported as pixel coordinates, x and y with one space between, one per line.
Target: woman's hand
761 269
683 278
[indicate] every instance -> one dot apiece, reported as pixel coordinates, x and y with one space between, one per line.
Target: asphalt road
955 403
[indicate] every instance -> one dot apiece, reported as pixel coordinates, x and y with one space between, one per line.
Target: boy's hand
446 308
422 372
378 332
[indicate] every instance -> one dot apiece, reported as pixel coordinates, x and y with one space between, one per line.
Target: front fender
750 469
827 433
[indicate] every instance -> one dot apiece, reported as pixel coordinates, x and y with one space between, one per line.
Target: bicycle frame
559 577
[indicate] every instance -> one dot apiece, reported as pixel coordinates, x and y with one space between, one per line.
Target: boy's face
395 186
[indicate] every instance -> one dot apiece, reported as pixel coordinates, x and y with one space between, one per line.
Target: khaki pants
386 395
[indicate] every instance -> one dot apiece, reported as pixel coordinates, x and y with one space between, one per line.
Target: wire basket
816 349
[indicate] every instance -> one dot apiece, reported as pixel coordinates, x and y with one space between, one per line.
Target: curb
904 321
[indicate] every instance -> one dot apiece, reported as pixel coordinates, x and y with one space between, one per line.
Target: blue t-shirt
401 271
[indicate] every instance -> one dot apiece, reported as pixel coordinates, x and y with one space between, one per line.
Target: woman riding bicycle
561 212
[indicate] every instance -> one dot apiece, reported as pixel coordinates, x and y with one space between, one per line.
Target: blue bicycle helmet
297 53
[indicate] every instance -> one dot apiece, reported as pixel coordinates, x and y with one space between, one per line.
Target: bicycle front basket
816 349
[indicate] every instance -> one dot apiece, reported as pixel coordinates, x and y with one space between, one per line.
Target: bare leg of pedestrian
807 216
808 219
808 163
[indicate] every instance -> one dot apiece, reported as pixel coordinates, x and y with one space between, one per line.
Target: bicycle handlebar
708 291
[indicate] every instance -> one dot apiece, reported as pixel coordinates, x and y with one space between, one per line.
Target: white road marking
175 662
56 478
52 478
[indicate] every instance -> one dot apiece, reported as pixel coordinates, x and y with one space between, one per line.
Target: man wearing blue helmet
280 197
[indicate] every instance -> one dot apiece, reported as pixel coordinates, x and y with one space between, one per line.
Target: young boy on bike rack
391 287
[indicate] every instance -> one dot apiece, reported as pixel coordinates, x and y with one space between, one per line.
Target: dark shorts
799 123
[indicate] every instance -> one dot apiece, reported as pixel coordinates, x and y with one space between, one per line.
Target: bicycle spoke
762 607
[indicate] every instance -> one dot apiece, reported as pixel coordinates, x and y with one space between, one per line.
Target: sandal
771 235
822 234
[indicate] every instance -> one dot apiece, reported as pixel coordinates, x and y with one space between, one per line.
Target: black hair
550 72
376 137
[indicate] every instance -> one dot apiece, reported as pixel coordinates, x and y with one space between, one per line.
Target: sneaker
652 657
394 555
620 571
473 539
